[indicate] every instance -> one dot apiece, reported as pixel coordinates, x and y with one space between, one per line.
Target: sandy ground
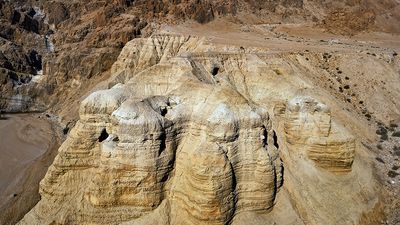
28 144
285 37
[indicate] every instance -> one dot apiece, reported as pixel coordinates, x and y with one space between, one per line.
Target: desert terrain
29 143
224 112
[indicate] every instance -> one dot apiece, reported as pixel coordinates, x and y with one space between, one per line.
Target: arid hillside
73 43
200 112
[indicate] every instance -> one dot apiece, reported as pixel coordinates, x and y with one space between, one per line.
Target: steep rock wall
185 136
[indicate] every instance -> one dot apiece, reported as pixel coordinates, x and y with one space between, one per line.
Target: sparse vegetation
379 160
392 174
396 150
396 134
382 131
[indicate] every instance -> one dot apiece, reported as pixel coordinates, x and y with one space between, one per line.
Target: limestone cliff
308 128
187 134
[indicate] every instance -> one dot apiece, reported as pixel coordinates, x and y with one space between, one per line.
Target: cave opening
35 60
265 135
275 140
215 71
163 111
103 136
163 146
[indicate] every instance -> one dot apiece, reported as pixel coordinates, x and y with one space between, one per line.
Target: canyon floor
29 143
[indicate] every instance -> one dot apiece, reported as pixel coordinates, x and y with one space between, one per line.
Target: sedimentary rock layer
184 135
309 129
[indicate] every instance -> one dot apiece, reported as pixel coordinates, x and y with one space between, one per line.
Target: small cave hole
65 130
265 135
215 71
163 146
103 136
163 111
164 178
275 140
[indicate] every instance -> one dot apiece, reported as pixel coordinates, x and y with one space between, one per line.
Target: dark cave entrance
215 71
275 140
103 136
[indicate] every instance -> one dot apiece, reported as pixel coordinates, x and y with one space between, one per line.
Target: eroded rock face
79 41
208 160
309 128
184 136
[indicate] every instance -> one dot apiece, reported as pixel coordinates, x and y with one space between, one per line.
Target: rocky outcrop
78 42
22 48
352 17
145 143
310 129
180 138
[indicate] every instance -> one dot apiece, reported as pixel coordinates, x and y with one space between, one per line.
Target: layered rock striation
75 43
310 129
164 136
184 135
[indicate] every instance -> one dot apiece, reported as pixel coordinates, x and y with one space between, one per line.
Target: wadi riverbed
28 145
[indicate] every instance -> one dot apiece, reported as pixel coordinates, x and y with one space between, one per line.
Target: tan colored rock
208 160
184 137
310 129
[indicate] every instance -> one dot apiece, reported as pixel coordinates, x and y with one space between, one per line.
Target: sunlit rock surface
193 133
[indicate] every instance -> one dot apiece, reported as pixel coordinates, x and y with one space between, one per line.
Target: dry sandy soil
28 143
285 37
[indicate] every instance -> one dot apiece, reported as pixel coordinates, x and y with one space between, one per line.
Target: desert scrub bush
382 131
396 134
380 160
392 174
